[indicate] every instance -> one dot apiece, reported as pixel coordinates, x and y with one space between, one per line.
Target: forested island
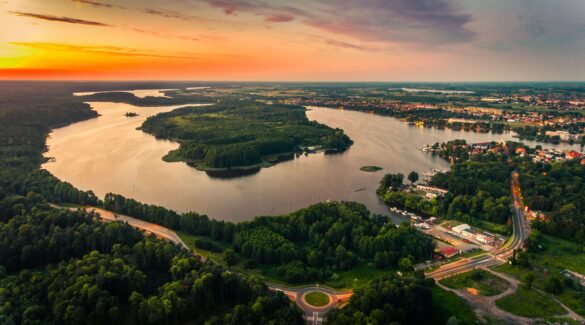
239 134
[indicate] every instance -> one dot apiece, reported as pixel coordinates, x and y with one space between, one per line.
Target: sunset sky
329 40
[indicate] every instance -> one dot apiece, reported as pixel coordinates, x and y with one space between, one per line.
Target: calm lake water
108 154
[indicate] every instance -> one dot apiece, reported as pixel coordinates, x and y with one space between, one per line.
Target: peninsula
238 134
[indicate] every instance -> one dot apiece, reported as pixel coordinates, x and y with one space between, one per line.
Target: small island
242 134
130 114
371 169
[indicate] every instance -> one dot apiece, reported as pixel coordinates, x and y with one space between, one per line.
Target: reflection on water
108 154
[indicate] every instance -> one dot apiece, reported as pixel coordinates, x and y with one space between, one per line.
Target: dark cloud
416 21
279 18
68 20
545 24
99 4
230 7
170 14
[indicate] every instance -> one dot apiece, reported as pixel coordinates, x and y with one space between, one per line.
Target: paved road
313 314
520 232
157 230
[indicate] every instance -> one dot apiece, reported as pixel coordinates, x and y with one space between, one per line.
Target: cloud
414 21
104 49
279 18
99 4
163 35
344 44
230 7
68 20
170 14
95 23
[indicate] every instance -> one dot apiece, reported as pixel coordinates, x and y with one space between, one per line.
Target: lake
108 154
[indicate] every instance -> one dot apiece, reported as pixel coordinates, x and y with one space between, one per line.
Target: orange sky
282 40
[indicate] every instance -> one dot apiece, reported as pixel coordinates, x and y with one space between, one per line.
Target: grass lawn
447 304
558 254
316 298
355 277
530 303
344 280
190 241
486 283
493 227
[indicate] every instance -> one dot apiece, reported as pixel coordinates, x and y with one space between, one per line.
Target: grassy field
486 283
214 256
447 304
558 255
530 303
317 299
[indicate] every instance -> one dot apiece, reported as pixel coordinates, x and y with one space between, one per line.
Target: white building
461 228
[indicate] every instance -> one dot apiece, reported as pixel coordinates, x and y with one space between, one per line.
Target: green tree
413 177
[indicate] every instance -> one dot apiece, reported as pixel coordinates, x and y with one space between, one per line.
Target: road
313 315
153 228
520 231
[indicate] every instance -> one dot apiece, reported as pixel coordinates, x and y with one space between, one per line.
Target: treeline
129 98
28 111
389 299
315 242
190 222
477 191
241 132
558 190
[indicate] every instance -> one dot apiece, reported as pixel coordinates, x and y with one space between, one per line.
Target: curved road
520 232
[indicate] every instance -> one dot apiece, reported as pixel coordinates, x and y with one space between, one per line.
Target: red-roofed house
449 252
573 155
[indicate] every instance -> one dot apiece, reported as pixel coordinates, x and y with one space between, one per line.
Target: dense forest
310 244
389 299
67 267
478 191
558 190
241 133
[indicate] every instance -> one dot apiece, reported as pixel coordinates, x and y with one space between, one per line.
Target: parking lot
457 243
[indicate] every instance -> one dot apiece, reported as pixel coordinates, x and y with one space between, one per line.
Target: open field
447 303
486 283
530 303
558 255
